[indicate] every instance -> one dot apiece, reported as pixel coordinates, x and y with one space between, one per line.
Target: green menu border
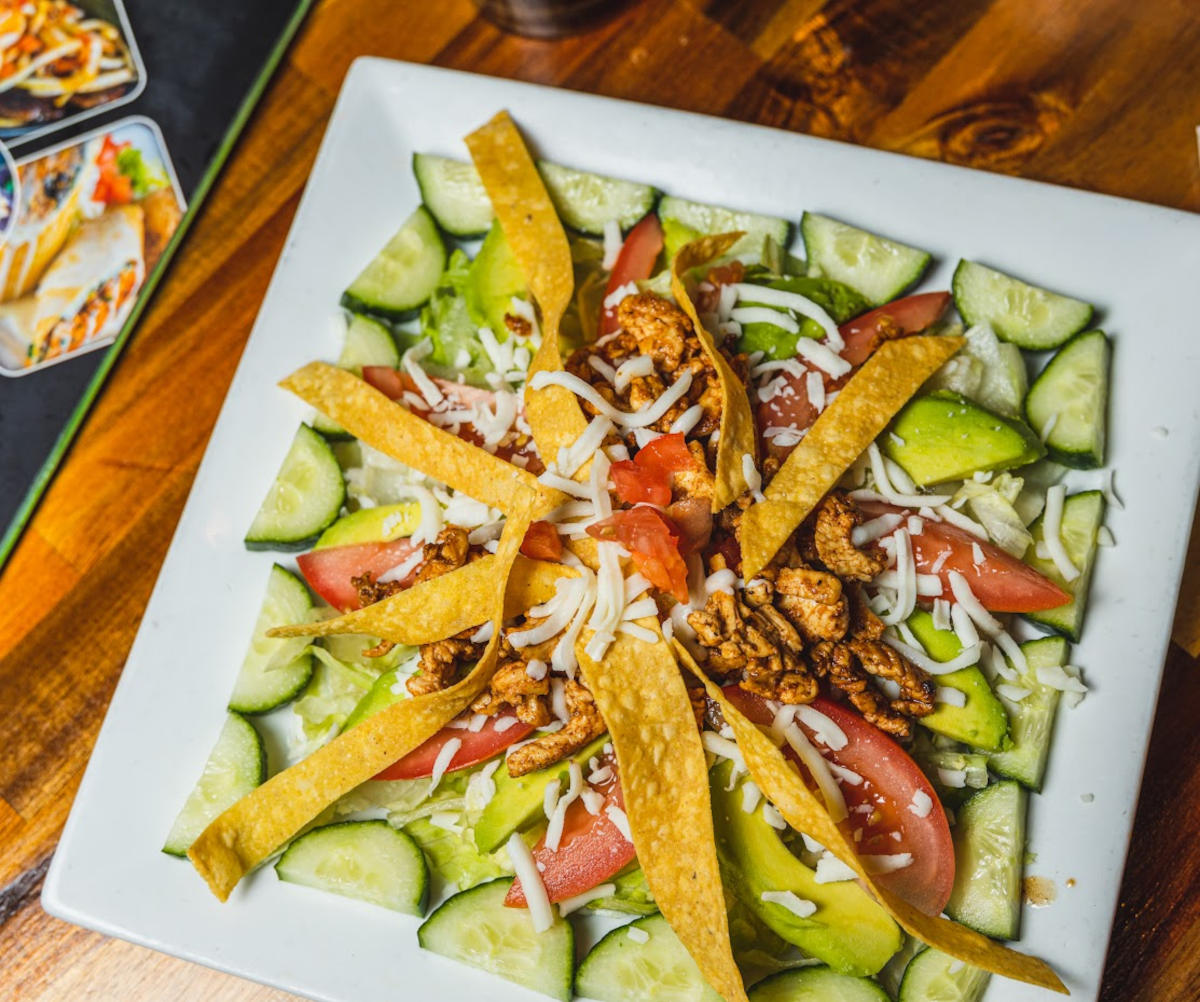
63 443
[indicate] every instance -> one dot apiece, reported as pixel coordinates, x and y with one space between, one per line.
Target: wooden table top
1099 94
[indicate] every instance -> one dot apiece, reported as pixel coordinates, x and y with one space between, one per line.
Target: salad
646 568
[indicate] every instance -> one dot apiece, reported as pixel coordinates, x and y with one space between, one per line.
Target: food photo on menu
90 221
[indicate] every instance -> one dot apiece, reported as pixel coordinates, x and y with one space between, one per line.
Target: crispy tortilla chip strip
738 435
442 606
392 428
782 785
262 821
861 411
640 693
537 239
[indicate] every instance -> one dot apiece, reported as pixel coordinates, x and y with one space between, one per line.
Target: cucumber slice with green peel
305 499
639 961
879 268
275 669
454 194
401 277
933 976
1082 516
1068 402
1031 719
386 690
380 524
585 202
989 853
981 721
1027 316
474 927
816 984
236 765
367 860
944 436
715 219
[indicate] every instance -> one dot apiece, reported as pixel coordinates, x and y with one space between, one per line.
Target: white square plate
1136 262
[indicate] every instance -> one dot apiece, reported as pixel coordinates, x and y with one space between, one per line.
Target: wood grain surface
1100 94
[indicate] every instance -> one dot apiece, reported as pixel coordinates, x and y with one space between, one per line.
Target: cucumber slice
1068 402
453 192
235 766
1031 720
714 219
621 969
933 976
475 928
304 500
275 669
816 984
879 268
367 860
380 524
944 436
1081 519
989 852
1027 316
585 202
367 342
403 275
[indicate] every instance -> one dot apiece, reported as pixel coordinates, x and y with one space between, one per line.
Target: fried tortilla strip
537 239
392 428
738 436
262 821
640 693
872 397
442 606
781 784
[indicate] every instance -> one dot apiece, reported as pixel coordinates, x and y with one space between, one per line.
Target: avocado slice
849 930
982 722
494 278
838 300
379 697
372 525
944 436
517 801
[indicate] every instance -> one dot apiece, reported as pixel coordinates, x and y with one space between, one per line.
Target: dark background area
201 57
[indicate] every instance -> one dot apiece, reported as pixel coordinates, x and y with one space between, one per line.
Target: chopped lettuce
991 504
988 371
452 854
676 236
452 326
1039 477
335 689
631 895
579 326
143 177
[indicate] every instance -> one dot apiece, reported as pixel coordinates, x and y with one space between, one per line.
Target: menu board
113 117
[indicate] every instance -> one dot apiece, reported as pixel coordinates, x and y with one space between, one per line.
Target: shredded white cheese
1052 528
800 907
442 762
541 913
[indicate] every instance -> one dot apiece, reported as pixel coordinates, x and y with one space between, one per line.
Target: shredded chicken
441 660
584 725
371 591
851 665
825 540
511 687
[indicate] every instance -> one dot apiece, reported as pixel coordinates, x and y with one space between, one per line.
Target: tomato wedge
477 746
1001 582
879 804
635 261
328 571
791 407
654 540
458 396
592 848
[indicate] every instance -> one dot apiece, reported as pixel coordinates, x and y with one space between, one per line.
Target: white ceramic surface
1131 259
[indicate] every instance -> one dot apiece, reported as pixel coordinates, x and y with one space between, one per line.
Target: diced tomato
112 187
393 384
591 850
1001 582
477 746
636 261
791 408
653 539
647 477
328 571
891 783
542 542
